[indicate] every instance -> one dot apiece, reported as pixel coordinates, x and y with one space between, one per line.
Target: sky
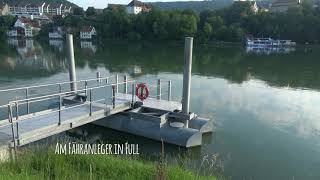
104 3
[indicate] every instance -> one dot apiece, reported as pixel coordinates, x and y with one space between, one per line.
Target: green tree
90 11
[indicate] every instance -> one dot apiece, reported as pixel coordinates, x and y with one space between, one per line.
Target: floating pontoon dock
103 101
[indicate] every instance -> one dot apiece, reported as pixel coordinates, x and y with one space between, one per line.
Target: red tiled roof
86 29
25 20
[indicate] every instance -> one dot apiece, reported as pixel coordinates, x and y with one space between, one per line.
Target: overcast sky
104 3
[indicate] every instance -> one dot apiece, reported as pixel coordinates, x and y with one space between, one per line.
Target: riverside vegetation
42 163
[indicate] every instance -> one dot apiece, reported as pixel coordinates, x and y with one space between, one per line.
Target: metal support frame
10 115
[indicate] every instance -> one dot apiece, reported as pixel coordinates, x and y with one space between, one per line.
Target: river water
264 105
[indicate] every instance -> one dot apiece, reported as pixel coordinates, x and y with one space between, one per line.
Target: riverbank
44 164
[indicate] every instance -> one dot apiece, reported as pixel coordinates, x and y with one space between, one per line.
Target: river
264 105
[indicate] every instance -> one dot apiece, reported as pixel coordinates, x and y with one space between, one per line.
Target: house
87 32
4 9
284 5
135 7
24 27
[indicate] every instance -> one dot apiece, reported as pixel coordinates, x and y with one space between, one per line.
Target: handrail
65 93
55 84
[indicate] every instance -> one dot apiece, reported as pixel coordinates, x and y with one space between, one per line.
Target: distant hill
37 1
194 5
203 5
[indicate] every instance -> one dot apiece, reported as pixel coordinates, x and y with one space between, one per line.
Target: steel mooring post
114 96
187 76
169 90
117 81
86 88
27 97
99 77
133 93
159 89
90 94
72 66
125 80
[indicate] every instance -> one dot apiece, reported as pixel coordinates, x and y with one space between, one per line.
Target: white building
21 9
87 32
37 10
135 7
53 9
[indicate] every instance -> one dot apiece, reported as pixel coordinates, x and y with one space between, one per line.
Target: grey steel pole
125 80
169 90
117 81
159 89
187 75
72 66
99 77
28 104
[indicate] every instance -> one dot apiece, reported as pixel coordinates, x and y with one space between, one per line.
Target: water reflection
88 46
270 50
57 44
265 107
28 59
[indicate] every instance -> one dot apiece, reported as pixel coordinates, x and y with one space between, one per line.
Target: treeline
230 24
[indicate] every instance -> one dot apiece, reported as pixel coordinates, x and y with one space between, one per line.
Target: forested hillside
194 5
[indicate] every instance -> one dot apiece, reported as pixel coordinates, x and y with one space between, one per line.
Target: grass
45 164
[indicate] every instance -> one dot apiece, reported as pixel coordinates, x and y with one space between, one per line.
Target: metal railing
58 85
14 116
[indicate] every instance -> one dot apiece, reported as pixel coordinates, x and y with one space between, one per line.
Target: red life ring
142 91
